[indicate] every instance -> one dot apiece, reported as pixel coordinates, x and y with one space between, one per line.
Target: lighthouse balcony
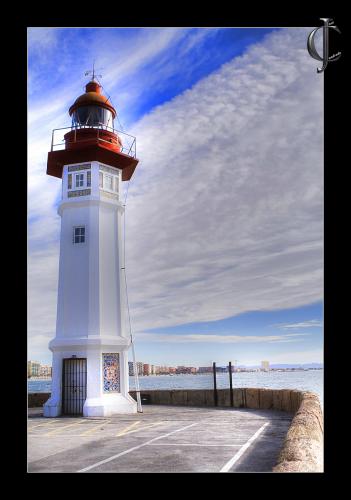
80 135
81 143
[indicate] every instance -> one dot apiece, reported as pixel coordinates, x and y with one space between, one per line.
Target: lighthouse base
108 405
90 379
105 406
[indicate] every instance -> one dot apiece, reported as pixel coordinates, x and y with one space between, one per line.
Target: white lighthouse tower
90 349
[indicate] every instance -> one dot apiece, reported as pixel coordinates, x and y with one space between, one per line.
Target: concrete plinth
108 405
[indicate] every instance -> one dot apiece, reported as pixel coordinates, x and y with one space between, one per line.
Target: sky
224 216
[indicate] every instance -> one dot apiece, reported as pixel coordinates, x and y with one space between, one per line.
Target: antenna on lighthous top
92 73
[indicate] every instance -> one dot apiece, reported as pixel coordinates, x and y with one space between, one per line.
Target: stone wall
303 446
277 399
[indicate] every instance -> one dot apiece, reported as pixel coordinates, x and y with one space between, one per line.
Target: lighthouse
90 350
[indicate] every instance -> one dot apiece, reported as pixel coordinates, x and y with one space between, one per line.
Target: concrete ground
161 439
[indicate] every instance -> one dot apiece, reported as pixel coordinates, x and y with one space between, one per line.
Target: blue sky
226 205
274 335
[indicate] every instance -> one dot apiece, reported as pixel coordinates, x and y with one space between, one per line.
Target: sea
305 380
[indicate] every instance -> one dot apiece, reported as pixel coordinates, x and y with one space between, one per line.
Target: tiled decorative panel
75 168
110 366
80 192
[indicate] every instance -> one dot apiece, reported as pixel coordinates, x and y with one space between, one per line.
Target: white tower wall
91 318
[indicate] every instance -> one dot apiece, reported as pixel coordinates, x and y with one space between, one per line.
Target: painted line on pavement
120 433
194 444
136 448
147 426
43 423
95 428
236 457
64 427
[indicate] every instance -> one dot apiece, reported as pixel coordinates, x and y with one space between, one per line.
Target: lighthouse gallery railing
128 140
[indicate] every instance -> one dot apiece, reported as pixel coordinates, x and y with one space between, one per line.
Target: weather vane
92 72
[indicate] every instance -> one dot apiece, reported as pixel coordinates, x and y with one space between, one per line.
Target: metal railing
127 141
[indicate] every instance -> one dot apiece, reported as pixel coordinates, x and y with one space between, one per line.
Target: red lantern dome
92 97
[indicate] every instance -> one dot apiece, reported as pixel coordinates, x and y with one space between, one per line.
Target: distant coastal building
33 368
146 369
186 369
221 369
205 369
265 366
45 371
139 367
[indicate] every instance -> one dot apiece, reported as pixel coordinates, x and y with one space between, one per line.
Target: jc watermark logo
328 25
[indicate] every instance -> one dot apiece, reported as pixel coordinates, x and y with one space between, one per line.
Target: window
79 180
116 184
88 178
109 182
92 116
101 184
79 234
69 184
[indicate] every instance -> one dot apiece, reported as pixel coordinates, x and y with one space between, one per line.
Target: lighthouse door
74 385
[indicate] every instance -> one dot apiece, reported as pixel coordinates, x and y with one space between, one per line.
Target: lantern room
92 136
92 109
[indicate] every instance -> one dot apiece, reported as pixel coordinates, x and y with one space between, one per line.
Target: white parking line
136 448
236 457
194 444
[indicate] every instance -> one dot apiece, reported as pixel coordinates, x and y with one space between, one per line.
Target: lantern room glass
92 116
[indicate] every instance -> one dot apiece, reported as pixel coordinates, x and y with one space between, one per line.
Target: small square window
79 180
79 234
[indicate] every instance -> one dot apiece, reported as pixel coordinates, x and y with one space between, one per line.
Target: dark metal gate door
74 385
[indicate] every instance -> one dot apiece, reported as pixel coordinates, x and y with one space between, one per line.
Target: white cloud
216 338
225 209
312 323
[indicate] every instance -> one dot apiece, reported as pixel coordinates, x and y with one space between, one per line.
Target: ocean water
311 380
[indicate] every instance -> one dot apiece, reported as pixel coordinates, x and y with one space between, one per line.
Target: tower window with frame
109 182
79 180
78 234
101 177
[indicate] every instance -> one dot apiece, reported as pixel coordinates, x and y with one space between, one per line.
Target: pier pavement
161 439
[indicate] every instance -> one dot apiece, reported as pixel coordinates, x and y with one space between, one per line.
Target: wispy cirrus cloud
226 206
312 323
217 339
